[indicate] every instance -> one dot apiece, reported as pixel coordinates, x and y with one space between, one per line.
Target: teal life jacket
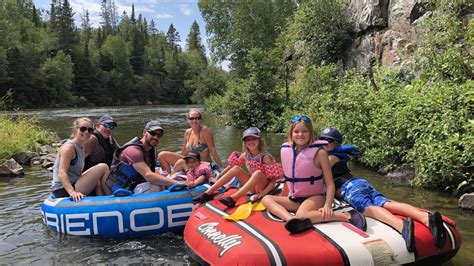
123 175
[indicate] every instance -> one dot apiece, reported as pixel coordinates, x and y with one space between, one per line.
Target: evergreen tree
53 20
67 36
86 26
106 22
152 28
172 36
193 42
138 44
35 17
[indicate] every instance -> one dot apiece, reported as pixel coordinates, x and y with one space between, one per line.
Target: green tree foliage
57 73
236 27
130 62
210 82
194 43
318 32
172 36
67 36
119 80
253 101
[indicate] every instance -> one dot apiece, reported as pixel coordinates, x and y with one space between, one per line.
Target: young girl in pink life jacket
309 181
198 172
262 172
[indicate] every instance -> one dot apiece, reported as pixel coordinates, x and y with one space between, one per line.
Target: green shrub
443 151
20 134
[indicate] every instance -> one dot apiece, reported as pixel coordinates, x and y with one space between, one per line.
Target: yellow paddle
258 206
244 211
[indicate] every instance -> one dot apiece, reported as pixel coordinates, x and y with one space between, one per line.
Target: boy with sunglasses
101 145
362 195
134 164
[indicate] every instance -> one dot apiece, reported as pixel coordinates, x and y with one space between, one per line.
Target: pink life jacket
302 177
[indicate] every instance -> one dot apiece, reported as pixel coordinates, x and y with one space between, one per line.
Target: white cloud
164 16
186 10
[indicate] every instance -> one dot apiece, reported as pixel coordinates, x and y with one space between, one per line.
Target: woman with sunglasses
101 146
198 138
362 195
68 178
309 181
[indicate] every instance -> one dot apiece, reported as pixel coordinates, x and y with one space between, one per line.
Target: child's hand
190 184
326 212
280 180
255 197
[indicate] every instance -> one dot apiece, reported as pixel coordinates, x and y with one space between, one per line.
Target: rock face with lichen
384 31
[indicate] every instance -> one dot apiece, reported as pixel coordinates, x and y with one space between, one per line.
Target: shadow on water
25 240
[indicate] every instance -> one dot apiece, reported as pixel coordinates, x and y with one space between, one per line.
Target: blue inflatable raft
122 215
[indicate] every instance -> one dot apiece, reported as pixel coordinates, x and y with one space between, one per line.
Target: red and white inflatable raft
261 239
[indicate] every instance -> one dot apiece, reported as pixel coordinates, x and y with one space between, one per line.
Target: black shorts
298 199
62 193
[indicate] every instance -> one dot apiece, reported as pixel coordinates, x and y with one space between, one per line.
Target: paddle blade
242 212
258 206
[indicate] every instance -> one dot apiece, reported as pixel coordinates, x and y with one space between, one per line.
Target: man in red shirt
134 163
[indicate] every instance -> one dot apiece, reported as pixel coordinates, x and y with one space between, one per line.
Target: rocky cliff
386 31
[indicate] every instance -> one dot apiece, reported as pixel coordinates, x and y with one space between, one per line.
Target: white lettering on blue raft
222 241
140 220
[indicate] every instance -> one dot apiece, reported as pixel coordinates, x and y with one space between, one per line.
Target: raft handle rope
121 192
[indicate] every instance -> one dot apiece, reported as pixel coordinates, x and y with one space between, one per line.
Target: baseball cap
193 155
153 125
252 132
106 119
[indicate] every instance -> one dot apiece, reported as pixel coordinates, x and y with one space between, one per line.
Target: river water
24 239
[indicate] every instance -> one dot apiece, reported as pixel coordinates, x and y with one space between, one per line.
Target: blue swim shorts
359 193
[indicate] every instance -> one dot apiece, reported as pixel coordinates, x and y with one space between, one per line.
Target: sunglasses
329 140
88 129
109 125
156 134
194 118
297 118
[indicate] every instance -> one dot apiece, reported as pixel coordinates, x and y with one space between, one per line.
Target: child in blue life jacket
309 181
261 175
361 195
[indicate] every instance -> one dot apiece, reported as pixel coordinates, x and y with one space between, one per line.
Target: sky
182 13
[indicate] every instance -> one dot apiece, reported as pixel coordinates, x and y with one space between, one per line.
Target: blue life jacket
124 175
340 171
345 152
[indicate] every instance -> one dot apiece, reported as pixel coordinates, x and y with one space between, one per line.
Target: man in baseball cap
136 161
101 145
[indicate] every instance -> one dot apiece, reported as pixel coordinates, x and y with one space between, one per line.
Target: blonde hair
262 146
193 110
77 121
309 127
